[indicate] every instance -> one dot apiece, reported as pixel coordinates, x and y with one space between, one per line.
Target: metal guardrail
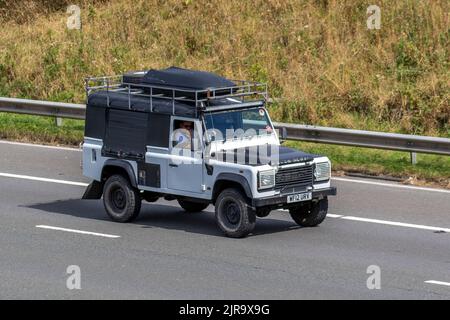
347 137
368 139
43 108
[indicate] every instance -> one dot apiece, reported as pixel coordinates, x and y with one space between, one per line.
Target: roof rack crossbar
200 98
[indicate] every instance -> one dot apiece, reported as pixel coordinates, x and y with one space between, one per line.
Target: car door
185 165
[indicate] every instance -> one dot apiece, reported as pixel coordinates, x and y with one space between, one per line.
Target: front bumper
281 200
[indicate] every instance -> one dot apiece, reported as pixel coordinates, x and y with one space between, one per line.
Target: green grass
431 168
40 129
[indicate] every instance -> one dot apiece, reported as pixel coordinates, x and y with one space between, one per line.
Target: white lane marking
441 283
391 185
385 222
19 176
38 145
78 231
397 224
334 215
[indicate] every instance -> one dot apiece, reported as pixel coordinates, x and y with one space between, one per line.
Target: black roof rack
180 88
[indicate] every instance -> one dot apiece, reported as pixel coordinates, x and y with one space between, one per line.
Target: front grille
301 176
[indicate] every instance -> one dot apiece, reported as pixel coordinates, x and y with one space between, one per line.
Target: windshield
229 125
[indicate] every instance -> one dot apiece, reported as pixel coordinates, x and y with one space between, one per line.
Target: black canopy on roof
185 79
170 78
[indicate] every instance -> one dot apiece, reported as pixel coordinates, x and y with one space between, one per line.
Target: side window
185 135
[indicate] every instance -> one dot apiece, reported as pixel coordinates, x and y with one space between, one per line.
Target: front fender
233 177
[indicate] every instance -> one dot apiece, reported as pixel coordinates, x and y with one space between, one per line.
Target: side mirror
211 135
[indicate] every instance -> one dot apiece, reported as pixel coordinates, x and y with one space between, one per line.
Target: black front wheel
122 202
310 215
233 214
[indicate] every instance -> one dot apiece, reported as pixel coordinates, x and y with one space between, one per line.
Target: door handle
173 165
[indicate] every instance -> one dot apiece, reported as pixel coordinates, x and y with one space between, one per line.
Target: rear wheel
311 214
190 206
122 202
233 214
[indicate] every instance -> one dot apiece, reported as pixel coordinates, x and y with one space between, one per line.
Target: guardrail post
58 121
413 158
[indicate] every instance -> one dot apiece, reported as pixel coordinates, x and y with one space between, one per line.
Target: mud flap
93 191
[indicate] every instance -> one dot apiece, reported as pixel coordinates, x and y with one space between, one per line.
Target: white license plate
299 197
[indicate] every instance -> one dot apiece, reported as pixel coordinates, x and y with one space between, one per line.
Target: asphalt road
169 254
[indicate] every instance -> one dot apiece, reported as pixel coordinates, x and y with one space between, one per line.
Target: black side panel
158 131
116 100
125 133
95 122
149 175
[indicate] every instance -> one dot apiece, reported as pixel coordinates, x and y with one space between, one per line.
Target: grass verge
319 57
36 129
430 169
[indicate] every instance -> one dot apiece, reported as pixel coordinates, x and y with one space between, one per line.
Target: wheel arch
114 166
230 180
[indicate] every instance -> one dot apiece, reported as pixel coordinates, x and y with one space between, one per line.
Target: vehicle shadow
156 215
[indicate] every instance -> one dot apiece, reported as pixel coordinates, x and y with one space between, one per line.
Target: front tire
311 214
122 202
192 207
233 214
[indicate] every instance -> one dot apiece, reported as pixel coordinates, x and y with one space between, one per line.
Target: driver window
184 135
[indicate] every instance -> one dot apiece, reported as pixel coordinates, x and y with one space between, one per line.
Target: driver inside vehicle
183 135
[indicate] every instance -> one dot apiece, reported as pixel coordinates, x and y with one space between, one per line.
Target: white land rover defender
200 139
